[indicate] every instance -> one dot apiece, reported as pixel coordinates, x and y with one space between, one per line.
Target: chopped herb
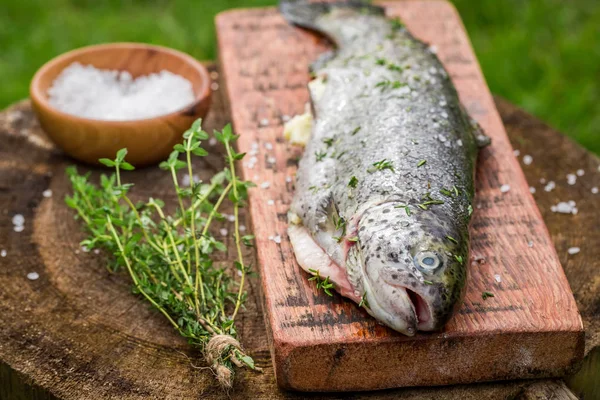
328 141
422 162
353 239
430 202
322 283
427 282
387 84
406 209
353 182
313 189
355 131
455 190
458 258
446 192
485 295
451 239
363 301
320 155
341 154
381 165
394 67
396 24
470 210
380 61
340 224
422 207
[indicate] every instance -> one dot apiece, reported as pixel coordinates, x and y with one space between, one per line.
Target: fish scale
388 119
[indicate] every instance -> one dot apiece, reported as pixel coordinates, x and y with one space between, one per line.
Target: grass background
542 55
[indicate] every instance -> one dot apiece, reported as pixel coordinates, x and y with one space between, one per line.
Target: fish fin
305 14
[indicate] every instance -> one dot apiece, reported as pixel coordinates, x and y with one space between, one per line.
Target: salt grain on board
517 153
212 141
571 179
18 219
580 172
89 92
531 189
223 232
2 253
47 193
18 228
527 159
242 228
565 207
32 276
595 190
573 250
550 186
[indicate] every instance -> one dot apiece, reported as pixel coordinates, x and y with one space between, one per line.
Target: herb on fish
363 301
381 165
422 207
169 257
446 192
458 258
339 224
470 210
394 67
396 24
427 282
322 283
355 131
431 202
328 141
406 209
421 163
314 189
353 182
450 238
381 61
485 295
340 155
353 239
455 190
387 84
320 155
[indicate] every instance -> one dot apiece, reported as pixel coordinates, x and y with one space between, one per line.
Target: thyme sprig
169 257
322 283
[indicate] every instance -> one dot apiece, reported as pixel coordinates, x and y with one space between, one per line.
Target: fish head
413 266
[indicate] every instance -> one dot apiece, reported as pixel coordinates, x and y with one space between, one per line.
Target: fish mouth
421 310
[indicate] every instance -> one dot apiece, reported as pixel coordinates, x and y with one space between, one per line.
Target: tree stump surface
78 332
529 329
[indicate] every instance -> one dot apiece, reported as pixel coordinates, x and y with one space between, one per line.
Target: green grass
540 54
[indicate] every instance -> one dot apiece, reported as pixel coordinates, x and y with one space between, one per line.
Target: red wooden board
530 328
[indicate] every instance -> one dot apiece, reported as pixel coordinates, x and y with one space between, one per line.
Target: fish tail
305 13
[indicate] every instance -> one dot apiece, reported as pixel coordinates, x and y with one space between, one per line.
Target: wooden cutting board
531 328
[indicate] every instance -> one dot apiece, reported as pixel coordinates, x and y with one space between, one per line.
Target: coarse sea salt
47 193
573 250
531 189
89 92
504 188
527 159
595 190
32 276
3 253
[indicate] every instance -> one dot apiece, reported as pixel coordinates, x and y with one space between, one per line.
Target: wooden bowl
147 140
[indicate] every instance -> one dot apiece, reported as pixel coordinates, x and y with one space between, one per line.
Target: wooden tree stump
78 333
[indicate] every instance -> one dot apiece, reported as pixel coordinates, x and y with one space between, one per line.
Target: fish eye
428 261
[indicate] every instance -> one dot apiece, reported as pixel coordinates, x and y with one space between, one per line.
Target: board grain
531 328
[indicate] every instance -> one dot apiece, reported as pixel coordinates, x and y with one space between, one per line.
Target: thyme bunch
169 256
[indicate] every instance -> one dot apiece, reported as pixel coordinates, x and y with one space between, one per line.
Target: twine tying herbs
169 257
